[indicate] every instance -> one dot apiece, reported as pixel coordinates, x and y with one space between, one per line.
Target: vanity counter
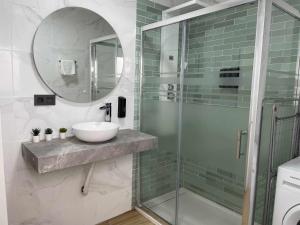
59 154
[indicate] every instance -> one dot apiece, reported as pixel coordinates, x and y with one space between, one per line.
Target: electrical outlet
42 100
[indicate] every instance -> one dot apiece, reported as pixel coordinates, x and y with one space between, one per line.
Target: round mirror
78 54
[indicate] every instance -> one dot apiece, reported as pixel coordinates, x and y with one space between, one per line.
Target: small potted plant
36 135
48 134
62 133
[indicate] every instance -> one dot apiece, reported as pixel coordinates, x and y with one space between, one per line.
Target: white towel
68 67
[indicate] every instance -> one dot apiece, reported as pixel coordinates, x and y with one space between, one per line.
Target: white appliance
287 200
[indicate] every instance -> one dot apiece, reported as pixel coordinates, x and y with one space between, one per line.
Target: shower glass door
215 113
196 88
159 117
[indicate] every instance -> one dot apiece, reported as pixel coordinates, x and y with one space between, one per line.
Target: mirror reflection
78 54
107 64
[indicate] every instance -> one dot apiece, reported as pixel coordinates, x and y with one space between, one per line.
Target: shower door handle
240 134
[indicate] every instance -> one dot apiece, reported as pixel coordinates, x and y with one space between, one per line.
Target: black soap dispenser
121 107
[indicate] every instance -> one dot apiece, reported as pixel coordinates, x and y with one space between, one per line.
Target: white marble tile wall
55 198
3 205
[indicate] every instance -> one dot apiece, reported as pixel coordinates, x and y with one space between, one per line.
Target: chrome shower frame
263 26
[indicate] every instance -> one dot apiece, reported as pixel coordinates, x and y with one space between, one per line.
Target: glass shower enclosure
210 82
105 53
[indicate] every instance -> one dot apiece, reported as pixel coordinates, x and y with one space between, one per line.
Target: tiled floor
129 218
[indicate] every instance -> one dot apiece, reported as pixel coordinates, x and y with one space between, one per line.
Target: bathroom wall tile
144 17
20 116
116 190
6 84
25 77
26 16
24 19
208 54
44 8
3 202
23 116
42 199
158 167
56 198
13 160
5 25
212 46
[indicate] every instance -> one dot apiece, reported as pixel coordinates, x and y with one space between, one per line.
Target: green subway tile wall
147 12
220 41
158 167
234 48
281 83
212 115
158 170
283 54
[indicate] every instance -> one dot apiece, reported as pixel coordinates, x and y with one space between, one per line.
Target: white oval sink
95 131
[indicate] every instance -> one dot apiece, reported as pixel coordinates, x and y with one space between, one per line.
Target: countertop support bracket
85 187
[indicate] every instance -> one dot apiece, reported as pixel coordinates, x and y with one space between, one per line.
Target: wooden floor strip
129 218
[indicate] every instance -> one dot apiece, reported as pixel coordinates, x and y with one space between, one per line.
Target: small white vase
36 139
62 135
48 137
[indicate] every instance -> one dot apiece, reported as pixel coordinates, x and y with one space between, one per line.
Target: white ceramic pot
48 137
36 139
62 135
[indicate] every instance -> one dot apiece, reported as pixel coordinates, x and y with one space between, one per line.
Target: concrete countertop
59 154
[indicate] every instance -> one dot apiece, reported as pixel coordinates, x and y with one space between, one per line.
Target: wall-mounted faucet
107 108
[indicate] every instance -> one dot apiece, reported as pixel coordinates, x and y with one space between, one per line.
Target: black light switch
44 100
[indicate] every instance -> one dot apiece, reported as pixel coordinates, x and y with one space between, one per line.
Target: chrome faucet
107 108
